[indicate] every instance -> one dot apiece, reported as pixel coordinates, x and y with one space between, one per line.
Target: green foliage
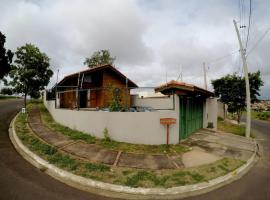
35 94
115 104
7 91
231 90
97 167
101 57
64 161
5 57
263 115
31 71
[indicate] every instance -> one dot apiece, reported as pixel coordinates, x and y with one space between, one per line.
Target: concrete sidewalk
207 147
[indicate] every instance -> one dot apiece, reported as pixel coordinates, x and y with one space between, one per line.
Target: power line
258 41
249 22
223 57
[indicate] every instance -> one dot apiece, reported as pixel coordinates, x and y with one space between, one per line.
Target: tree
101 57
231 90
31 71
7 91
5 57
34 94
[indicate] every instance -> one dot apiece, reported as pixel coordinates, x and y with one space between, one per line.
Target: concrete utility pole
243 55
204 76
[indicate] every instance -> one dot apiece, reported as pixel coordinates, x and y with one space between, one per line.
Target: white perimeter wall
154 102
131 127
210 112
222 109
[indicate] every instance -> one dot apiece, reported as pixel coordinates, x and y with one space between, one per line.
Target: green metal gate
191 115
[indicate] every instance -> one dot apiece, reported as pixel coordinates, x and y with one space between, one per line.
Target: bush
7 91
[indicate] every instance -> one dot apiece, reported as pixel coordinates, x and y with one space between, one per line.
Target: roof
182 88
100 68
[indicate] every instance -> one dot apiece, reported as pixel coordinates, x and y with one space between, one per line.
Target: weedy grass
107 142
119 175
226 126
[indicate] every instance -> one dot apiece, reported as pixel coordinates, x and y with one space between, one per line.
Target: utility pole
243 55
204 76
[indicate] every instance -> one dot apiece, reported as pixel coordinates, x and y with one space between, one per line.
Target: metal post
243 55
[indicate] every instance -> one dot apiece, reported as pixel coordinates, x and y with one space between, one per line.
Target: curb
125 192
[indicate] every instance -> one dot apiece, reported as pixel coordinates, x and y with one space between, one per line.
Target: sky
154 41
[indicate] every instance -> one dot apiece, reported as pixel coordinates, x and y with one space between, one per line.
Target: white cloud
149 38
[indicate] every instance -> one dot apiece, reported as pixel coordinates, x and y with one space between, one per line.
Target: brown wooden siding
109 82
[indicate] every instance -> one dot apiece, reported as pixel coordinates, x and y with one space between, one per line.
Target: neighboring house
192 100
94 88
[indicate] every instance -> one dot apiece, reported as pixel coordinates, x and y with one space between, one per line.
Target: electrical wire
222 57
258 41
249 22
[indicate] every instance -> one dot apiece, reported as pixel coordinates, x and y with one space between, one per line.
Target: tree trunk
238 116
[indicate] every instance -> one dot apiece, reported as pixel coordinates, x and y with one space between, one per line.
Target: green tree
101 57
7 91
31 71
5 57
34 94
231 90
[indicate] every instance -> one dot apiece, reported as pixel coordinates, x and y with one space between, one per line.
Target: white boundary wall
154 102
210 112
131 127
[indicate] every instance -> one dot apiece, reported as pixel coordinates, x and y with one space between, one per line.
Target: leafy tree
7 91
31 71
231 90
101 57
34 94
5 57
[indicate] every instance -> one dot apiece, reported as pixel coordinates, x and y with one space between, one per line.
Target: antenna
180 75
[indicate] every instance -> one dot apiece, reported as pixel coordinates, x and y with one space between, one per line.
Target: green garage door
191 115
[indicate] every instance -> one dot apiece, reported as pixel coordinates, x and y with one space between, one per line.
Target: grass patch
73 134
107 142
119 175
226 126
8 97
265 116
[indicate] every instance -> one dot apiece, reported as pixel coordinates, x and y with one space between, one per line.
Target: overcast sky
151 39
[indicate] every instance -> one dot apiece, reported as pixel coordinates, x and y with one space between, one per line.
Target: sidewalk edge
125 192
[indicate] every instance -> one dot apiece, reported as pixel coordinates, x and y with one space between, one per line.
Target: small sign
167 121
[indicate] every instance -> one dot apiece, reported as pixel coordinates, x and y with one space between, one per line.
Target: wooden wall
111 80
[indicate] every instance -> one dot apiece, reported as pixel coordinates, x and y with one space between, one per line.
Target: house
189 107
94 88
192 100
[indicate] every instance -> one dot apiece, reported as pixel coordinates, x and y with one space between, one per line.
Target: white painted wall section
210 112
163 102
131 127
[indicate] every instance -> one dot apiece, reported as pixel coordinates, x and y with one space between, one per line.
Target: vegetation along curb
125 192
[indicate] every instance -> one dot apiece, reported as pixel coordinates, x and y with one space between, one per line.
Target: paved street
20 180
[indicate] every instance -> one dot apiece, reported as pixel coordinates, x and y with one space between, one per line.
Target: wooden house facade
94 88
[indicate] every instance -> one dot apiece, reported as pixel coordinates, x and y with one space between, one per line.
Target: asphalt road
20 180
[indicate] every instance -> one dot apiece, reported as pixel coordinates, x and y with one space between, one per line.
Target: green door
191 115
